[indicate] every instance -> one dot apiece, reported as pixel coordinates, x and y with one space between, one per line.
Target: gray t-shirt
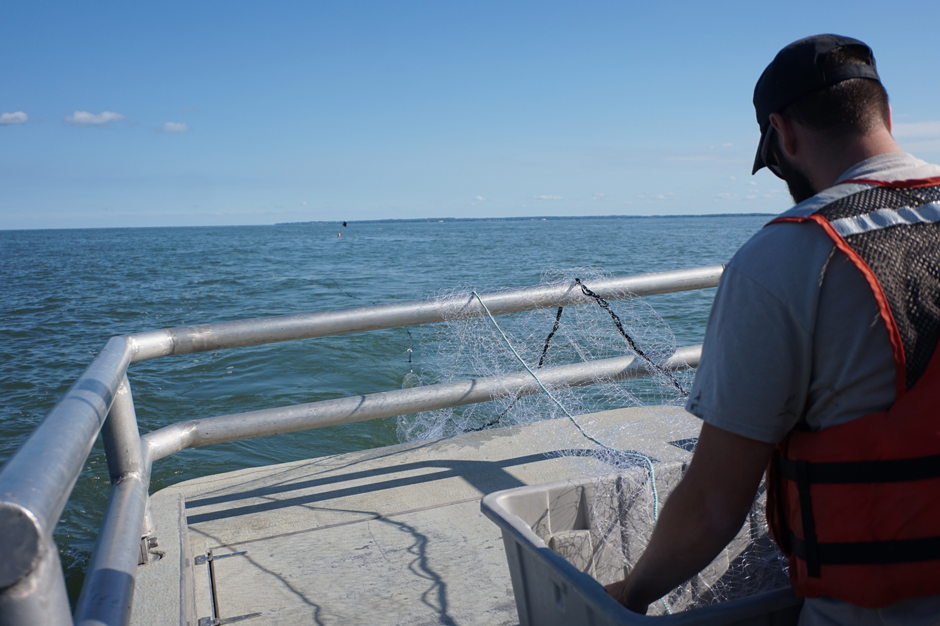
795 333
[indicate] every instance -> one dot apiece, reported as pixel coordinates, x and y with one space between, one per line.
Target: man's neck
829 160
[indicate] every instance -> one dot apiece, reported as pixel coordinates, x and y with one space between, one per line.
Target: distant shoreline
538 218
416 220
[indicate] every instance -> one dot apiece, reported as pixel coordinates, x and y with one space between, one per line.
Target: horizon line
407 219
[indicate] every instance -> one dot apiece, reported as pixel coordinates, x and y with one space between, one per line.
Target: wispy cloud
479 199
916 130
772 194
918 137
692 157
17 117
544 197
598 196
717 153
84 118
175 127
671 195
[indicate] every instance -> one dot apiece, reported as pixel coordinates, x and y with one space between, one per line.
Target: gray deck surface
384 536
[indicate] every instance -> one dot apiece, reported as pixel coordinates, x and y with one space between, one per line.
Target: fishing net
621 512
473 347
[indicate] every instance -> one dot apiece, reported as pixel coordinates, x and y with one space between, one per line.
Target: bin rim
491 505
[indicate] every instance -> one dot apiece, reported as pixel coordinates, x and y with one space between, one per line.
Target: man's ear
785 128
890 119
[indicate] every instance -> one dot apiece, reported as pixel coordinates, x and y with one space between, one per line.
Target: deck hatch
215 619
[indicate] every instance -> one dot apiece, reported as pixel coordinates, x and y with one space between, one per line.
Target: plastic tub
565 540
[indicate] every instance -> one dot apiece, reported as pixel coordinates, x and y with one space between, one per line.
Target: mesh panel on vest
906 261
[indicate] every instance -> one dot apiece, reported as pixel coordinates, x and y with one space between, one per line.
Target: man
823 322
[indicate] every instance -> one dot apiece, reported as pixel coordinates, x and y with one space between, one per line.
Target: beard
797 181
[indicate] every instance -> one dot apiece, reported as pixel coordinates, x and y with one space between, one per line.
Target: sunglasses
767 155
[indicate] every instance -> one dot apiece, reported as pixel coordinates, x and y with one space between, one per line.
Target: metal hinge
147 553
202 559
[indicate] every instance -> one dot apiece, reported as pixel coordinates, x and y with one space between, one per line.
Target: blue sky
205 113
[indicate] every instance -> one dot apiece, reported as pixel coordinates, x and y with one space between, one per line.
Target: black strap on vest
804 474
806 514
893 471
867 552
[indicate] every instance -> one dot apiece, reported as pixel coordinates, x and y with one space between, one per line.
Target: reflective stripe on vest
856 507
885 218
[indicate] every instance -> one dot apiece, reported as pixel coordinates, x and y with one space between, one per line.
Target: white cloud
916 130
17 117
479 199
84 118
598 196
304 203
544 197
175 127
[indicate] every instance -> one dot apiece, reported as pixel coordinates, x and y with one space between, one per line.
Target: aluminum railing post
108 591
35 484
109 584
122 445
121 436
39 597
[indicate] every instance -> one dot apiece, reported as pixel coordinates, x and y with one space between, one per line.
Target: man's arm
703 513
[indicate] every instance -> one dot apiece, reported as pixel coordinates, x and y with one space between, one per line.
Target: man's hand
703 513
618 591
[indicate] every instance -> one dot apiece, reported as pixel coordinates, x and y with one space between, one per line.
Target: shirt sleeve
756 362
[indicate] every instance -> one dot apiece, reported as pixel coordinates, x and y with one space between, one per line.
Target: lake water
65 292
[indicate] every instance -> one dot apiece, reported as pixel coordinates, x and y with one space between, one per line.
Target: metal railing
36 481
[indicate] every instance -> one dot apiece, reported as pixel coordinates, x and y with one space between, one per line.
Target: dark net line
503 413
618 323
603 304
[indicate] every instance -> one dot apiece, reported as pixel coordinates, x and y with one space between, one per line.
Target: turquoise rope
646 459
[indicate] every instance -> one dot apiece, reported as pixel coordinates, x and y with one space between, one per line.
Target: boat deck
384 536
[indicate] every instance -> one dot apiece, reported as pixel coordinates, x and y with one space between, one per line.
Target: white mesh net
473 348
619 511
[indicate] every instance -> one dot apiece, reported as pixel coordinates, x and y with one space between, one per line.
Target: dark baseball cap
795 72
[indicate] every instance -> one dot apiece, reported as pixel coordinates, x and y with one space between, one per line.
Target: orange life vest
856 507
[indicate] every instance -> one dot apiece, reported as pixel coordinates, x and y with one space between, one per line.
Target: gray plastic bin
565 540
